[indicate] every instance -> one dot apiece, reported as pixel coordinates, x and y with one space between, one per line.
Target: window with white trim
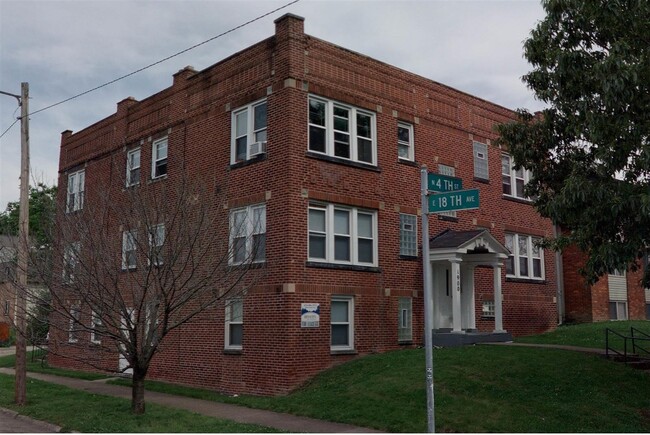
513 181
96 327
451 172
76 185
405 319
248 234
345 235
249 133
156 242
129 250
408 229
481 168
487 309
75 318
405 149
133 167
526 258
159 158
342 131
234 329
617 310
70 261
342 323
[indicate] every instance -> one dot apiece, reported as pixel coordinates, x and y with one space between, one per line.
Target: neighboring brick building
327 145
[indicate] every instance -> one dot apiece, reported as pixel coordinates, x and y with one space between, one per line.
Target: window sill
252 160
243 266
487 317
343 352
409 257
516 199
336 266
345 162
408 162
526 280
482 180
157 179
442 217
232 352
405 342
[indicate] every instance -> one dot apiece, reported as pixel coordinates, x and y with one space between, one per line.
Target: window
159 158
618 310
96 327
405 309
343 235
408 235
129 250
526 258
248 132
341 131
488 309
481 169
450 171
234 323
248 234
513 180
76 182
6 309
342 324
70 261
75 317
156 241
133 167
405 141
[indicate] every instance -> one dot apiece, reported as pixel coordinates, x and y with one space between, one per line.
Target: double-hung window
248 234
339 234
513 180
405 319
159 158
342 323
75 318
96 327
526 258
405 141
156 242
234 329
408 246
342 131
70 261
248 132
481 168
6 308
129 250
133 167
76 182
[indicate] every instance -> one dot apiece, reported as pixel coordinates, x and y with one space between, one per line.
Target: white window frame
408 144
350 323
156 244
6 308
96 323
229 321
131 167
70 261
530 256
75 318
509 174
155 158
621 310
250 229
353 234
76 187
487 309
480 151
256 139
352 132
129 239
405 319
408 239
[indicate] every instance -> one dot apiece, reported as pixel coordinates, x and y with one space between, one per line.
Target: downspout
559 276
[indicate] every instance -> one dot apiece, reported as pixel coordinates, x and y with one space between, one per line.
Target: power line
9 128
163 60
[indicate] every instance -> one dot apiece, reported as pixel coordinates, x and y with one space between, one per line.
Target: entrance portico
454 255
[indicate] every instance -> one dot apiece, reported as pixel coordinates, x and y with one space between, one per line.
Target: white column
455 295
471 295
498 299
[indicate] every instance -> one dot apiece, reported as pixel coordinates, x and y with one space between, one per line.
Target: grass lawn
37 366
79 411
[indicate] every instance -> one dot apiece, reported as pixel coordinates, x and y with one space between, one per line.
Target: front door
442 308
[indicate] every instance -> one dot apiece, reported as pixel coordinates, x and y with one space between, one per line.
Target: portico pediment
474 245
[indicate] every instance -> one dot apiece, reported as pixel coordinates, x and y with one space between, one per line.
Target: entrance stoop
446 338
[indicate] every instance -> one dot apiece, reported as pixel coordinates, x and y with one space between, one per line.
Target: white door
442 309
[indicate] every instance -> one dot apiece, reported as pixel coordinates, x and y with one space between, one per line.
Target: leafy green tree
589 150
42 205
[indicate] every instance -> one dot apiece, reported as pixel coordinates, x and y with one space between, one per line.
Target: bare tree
130 267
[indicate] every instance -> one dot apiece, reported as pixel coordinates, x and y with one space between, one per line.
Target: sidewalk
592 350
12 422
286 422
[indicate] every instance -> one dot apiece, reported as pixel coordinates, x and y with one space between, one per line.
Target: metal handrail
608 348
635 339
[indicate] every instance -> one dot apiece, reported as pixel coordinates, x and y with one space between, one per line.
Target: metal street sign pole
428 295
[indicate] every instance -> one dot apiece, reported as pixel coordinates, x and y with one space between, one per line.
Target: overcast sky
63 48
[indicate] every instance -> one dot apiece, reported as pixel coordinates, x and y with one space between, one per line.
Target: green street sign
450 201
443 183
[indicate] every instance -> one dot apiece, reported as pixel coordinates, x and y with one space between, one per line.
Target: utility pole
23 246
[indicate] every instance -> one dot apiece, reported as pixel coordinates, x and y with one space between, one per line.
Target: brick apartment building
327 145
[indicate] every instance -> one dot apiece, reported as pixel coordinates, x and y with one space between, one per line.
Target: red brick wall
277 353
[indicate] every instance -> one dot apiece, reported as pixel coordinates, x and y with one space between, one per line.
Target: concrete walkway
12 422
286 422
592 350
